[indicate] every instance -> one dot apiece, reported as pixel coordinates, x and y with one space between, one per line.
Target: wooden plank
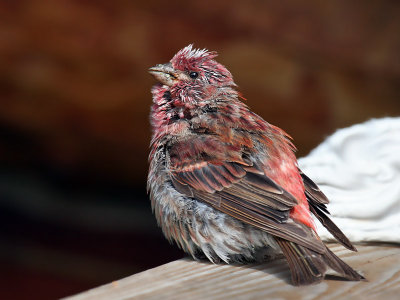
188 279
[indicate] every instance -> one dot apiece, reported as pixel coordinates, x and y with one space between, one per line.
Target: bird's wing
317 202
313 192
238 189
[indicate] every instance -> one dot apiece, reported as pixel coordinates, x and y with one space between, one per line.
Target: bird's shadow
276 266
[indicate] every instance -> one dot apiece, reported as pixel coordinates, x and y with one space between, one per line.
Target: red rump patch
302 214
283 170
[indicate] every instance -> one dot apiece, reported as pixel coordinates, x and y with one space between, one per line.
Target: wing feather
249 197
317 202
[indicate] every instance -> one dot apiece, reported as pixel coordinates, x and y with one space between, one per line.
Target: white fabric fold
358 168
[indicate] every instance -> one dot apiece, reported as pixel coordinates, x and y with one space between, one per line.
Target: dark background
74 105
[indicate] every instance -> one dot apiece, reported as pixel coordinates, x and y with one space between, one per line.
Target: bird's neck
173 105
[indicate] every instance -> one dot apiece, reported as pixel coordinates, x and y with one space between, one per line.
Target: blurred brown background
75 97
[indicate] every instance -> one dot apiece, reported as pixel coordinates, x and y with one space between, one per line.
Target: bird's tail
309 267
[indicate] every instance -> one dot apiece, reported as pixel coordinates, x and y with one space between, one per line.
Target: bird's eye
193 75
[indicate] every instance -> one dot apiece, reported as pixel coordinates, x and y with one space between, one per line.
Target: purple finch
224 183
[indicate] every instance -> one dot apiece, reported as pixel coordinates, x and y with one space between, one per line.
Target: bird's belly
199 229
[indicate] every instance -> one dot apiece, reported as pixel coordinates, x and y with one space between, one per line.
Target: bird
224 184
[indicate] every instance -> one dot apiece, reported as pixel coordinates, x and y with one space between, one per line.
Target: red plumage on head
189 58
202 61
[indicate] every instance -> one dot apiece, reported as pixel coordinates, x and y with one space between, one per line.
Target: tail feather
310 267
341 267
332 228
317 202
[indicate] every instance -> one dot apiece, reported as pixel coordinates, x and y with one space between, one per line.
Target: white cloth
358 169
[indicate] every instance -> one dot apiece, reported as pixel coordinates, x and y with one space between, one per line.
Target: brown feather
332 228
313 191
291 230
251 198
262 216
317 200
309 267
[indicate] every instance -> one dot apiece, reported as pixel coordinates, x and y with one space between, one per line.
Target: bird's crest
190 57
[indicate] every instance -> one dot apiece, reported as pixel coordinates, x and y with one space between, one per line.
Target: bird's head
191 72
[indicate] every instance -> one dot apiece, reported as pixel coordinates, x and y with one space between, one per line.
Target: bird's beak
164 73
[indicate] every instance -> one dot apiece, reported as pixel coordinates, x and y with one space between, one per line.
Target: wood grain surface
188 279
